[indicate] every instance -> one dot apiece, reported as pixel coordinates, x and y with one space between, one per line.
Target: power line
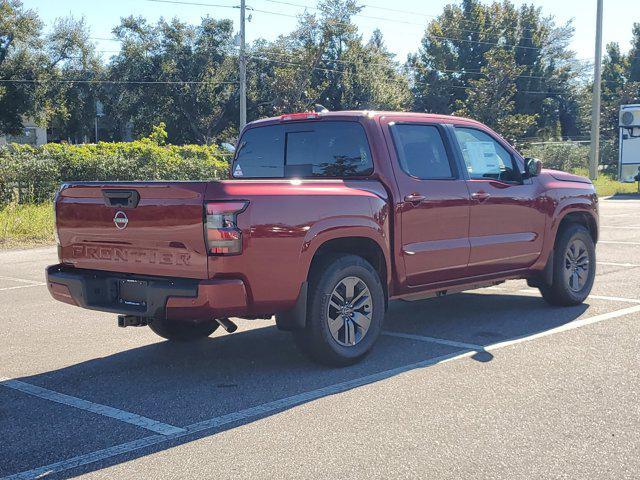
281 2
105 39
119 82
200 4
440 37
464 87
279 14
437 70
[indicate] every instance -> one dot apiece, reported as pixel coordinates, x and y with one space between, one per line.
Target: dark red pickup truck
329 216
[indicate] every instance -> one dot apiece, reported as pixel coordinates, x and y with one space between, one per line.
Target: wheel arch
364 247
581 213
365 242
580 217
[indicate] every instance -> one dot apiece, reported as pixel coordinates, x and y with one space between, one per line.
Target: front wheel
345 312
182 331
574 268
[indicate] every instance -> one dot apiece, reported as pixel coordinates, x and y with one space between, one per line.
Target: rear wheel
345 311
573 269
183 331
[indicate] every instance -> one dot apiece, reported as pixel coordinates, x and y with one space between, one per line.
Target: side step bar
441 293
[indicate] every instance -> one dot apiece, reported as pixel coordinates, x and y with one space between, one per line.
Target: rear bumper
156 297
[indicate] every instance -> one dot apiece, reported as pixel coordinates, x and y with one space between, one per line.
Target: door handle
415 198
480 196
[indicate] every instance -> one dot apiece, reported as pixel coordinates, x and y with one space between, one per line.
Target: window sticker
238 171
483 157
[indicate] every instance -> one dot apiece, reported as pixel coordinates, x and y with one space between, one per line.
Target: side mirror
532 167
228 147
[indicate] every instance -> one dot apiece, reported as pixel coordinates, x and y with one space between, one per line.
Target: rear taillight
56 197
221 230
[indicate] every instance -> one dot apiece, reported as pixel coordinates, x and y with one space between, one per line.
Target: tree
73 85
614 78
36 69
634 55
454 55
190 79
490 99
325 61
20 65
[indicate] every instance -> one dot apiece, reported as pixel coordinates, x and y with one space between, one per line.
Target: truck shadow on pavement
182 384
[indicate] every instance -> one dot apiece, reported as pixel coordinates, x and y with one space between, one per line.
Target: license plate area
132 293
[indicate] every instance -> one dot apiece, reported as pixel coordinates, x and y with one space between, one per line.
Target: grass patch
607 186
26 225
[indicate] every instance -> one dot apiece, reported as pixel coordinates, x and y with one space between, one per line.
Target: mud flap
545 277
296 318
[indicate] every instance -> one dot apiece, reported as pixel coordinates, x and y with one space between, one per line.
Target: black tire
564 291
317 340
183 331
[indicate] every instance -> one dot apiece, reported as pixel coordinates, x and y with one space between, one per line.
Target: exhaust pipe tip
227 324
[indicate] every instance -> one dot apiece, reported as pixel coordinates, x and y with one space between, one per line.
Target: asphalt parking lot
491 384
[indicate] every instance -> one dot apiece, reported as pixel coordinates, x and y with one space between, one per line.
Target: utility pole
99 113
243 69
595 101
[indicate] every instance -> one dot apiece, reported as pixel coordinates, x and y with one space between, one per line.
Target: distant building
32 134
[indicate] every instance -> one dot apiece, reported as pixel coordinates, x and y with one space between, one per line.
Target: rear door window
421 152
304 150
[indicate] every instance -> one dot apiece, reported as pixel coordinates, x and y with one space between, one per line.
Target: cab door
433 204
507 219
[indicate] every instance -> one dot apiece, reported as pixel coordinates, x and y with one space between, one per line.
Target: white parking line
442 341
21 280
532 291
566 327
22 286
271 407
611 242
536 292
615 299
626 227
104 410
616 264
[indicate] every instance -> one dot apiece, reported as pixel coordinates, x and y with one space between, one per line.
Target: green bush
33 174
569 156
566 156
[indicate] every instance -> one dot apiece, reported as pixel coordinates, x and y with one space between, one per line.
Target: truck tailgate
150 228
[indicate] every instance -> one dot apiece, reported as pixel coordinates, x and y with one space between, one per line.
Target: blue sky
401 38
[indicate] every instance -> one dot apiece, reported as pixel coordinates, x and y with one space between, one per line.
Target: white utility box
629 157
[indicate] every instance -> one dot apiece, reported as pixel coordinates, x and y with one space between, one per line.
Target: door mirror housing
228 147
532 167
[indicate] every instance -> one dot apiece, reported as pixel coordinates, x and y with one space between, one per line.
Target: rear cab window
321 149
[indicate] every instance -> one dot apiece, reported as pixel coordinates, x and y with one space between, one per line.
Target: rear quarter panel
284 225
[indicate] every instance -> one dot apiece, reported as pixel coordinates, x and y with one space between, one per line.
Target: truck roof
433 117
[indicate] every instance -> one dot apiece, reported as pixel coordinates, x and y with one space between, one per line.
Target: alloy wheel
576 265
349 312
